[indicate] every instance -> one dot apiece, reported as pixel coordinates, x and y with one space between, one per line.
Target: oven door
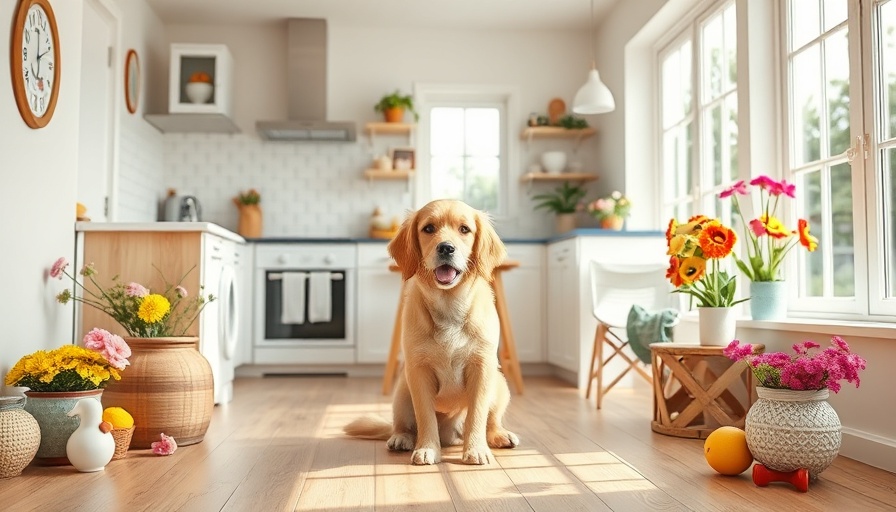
329 332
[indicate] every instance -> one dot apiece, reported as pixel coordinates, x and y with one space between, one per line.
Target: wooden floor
278 446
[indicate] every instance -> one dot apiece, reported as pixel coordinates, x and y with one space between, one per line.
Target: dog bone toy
799 478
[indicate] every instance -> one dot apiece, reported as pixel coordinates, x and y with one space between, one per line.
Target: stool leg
602 334
394 348
594 349
507 350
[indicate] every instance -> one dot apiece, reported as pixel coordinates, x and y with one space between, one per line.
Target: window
840 93
465 155
698 82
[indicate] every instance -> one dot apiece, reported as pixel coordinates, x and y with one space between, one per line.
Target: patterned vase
50 409
19 436
788 430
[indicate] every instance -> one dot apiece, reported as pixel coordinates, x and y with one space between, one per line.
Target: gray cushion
646 327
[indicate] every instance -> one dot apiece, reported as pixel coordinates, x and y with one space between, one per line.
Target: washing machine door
228 316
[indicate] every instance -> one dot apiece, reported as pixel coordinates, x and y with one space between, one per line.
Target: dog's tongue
446 274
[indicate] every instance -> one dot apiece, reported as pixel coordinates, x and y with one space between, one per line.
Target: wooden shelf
378 174
389 128
555 132
563 176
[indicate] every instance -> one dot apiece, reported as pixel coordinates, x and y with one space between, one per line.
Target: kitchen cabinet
524 291
378 295
244 298
563 305
571 323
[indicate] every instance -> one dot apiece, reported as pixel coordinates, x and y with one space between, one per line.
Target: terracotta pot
394 114
250 223
168 388
613 222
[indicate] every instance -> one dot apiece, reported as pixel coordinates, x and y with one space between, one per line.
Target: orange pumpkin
200 76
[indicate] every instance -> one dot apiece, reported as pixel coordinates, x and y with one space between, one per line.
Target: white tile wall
140 174
307 189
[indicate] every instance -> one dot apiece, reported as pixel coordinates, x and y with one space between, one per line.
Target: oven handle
277 277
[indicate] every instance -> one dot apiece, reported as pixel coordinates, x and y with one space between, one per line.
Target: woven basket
19 436
122 438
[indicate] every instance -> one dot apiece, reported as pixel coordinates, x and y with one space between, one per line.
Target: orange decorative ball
726 451
200 76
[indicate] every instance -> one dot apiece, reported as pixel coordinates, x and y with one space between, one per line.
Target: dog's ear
488 249
405 248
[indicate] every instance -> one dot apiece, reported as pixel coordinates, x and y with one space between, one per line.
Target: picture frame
132 80
403 159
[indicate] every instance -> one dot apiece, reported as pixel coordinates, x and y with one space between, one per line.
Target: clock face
38 60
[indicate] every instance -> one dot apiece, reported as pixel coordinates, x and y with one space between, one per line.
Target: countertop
204 227
582 232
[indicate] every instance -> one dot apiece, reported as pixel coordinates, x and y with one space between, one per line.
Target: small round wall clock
132 80
35 62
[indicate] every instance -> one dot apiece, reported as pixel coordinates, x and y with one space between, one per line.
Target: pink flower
765 182
181 291
165 446
111 346
58 268
739 188
136 290
782 187
758 227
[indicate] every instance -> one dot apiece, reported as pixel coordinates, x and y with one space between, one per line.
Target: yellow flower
153 308
692 269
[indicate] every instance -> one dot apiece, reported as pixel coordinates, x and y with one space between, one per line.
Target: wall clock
132 80
35 61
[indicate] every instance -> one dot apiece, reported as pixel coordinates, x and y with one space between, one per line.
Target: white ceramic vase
717 326
89 449
788 430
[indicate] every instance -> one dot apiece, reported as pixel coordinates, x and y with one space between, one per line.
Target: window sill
815 325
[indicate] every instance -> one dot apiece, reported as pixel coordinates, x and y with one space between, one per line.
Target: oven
304 310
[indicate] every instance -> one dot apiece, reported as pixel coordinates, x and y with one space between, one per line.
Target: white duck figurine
90 446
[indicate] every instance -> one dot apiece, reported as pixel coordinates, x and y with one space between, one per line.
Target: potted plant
564 202
610 211
250 221
393 106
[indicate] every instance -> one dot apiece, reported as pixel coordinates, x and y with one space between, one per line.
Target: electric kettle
181 208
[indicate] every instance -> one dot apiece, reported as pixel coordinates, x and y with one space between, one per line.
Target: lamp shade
594 97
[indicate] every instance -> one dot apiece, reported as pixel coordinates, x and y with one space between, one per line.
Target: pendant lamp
594 97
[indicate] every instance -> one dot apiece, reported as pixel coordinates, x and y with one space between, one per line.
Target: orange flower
808 241
716 240
693 226
672 272
691 269
673 224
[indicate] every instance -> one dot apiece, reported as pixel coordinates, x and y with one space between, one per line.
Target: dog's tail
369 427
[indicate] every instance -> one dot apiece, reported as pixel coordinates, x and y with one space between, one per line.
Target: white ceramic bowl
199 92
553 161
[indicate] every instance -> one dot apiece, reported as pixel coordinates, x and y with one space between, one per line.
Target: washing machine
220 320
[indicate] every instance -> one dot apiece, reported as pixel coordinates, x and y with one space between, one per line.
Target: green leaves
715 290
565 199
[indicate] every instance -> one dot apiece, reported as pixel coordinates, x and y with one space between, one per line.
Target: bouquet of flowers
805 369
616 205
692 246
770 240
73 368
140 312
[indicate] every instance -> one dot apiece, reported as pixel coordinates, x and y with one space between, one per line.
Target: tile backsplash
307 189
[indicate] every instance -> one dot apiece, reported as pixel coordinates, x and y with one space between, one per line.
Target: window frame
506 99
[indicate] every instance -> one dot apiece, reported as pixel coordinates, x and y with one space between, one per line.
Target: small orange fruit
726 451
200 76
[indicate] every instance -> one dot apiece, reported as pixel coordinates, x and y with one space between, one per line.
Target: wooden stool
702 401
507 356
603 335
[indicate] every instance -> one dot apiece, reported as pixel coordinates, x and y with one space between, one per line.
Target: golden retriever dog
451 390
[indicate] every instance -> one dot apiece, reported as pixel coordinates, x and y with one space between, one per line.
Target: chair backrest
615 287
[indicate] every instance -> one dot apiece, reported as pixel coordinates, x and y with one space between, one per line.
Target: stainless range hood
306 83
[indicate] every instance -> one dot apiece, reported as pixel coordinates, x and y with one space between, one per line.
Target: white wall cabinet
211 61
524 292
378 295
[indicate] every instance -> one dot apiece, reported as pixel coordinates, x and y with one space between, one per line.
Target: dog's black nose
445 249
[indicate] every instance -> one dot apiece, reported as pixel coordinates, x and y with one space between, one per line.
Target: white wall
39 182
298 179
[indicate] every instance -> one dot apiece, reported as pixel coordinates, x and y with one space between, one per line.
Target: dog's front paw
503 439
401 442
425 456
477 455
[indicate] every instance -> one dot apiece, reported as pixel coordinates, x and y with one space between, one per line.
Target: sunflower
153 308
691 269
808 241
716 240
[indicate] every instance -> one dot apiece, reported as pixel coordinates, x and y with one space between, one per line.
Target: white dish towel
320 301
293 298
